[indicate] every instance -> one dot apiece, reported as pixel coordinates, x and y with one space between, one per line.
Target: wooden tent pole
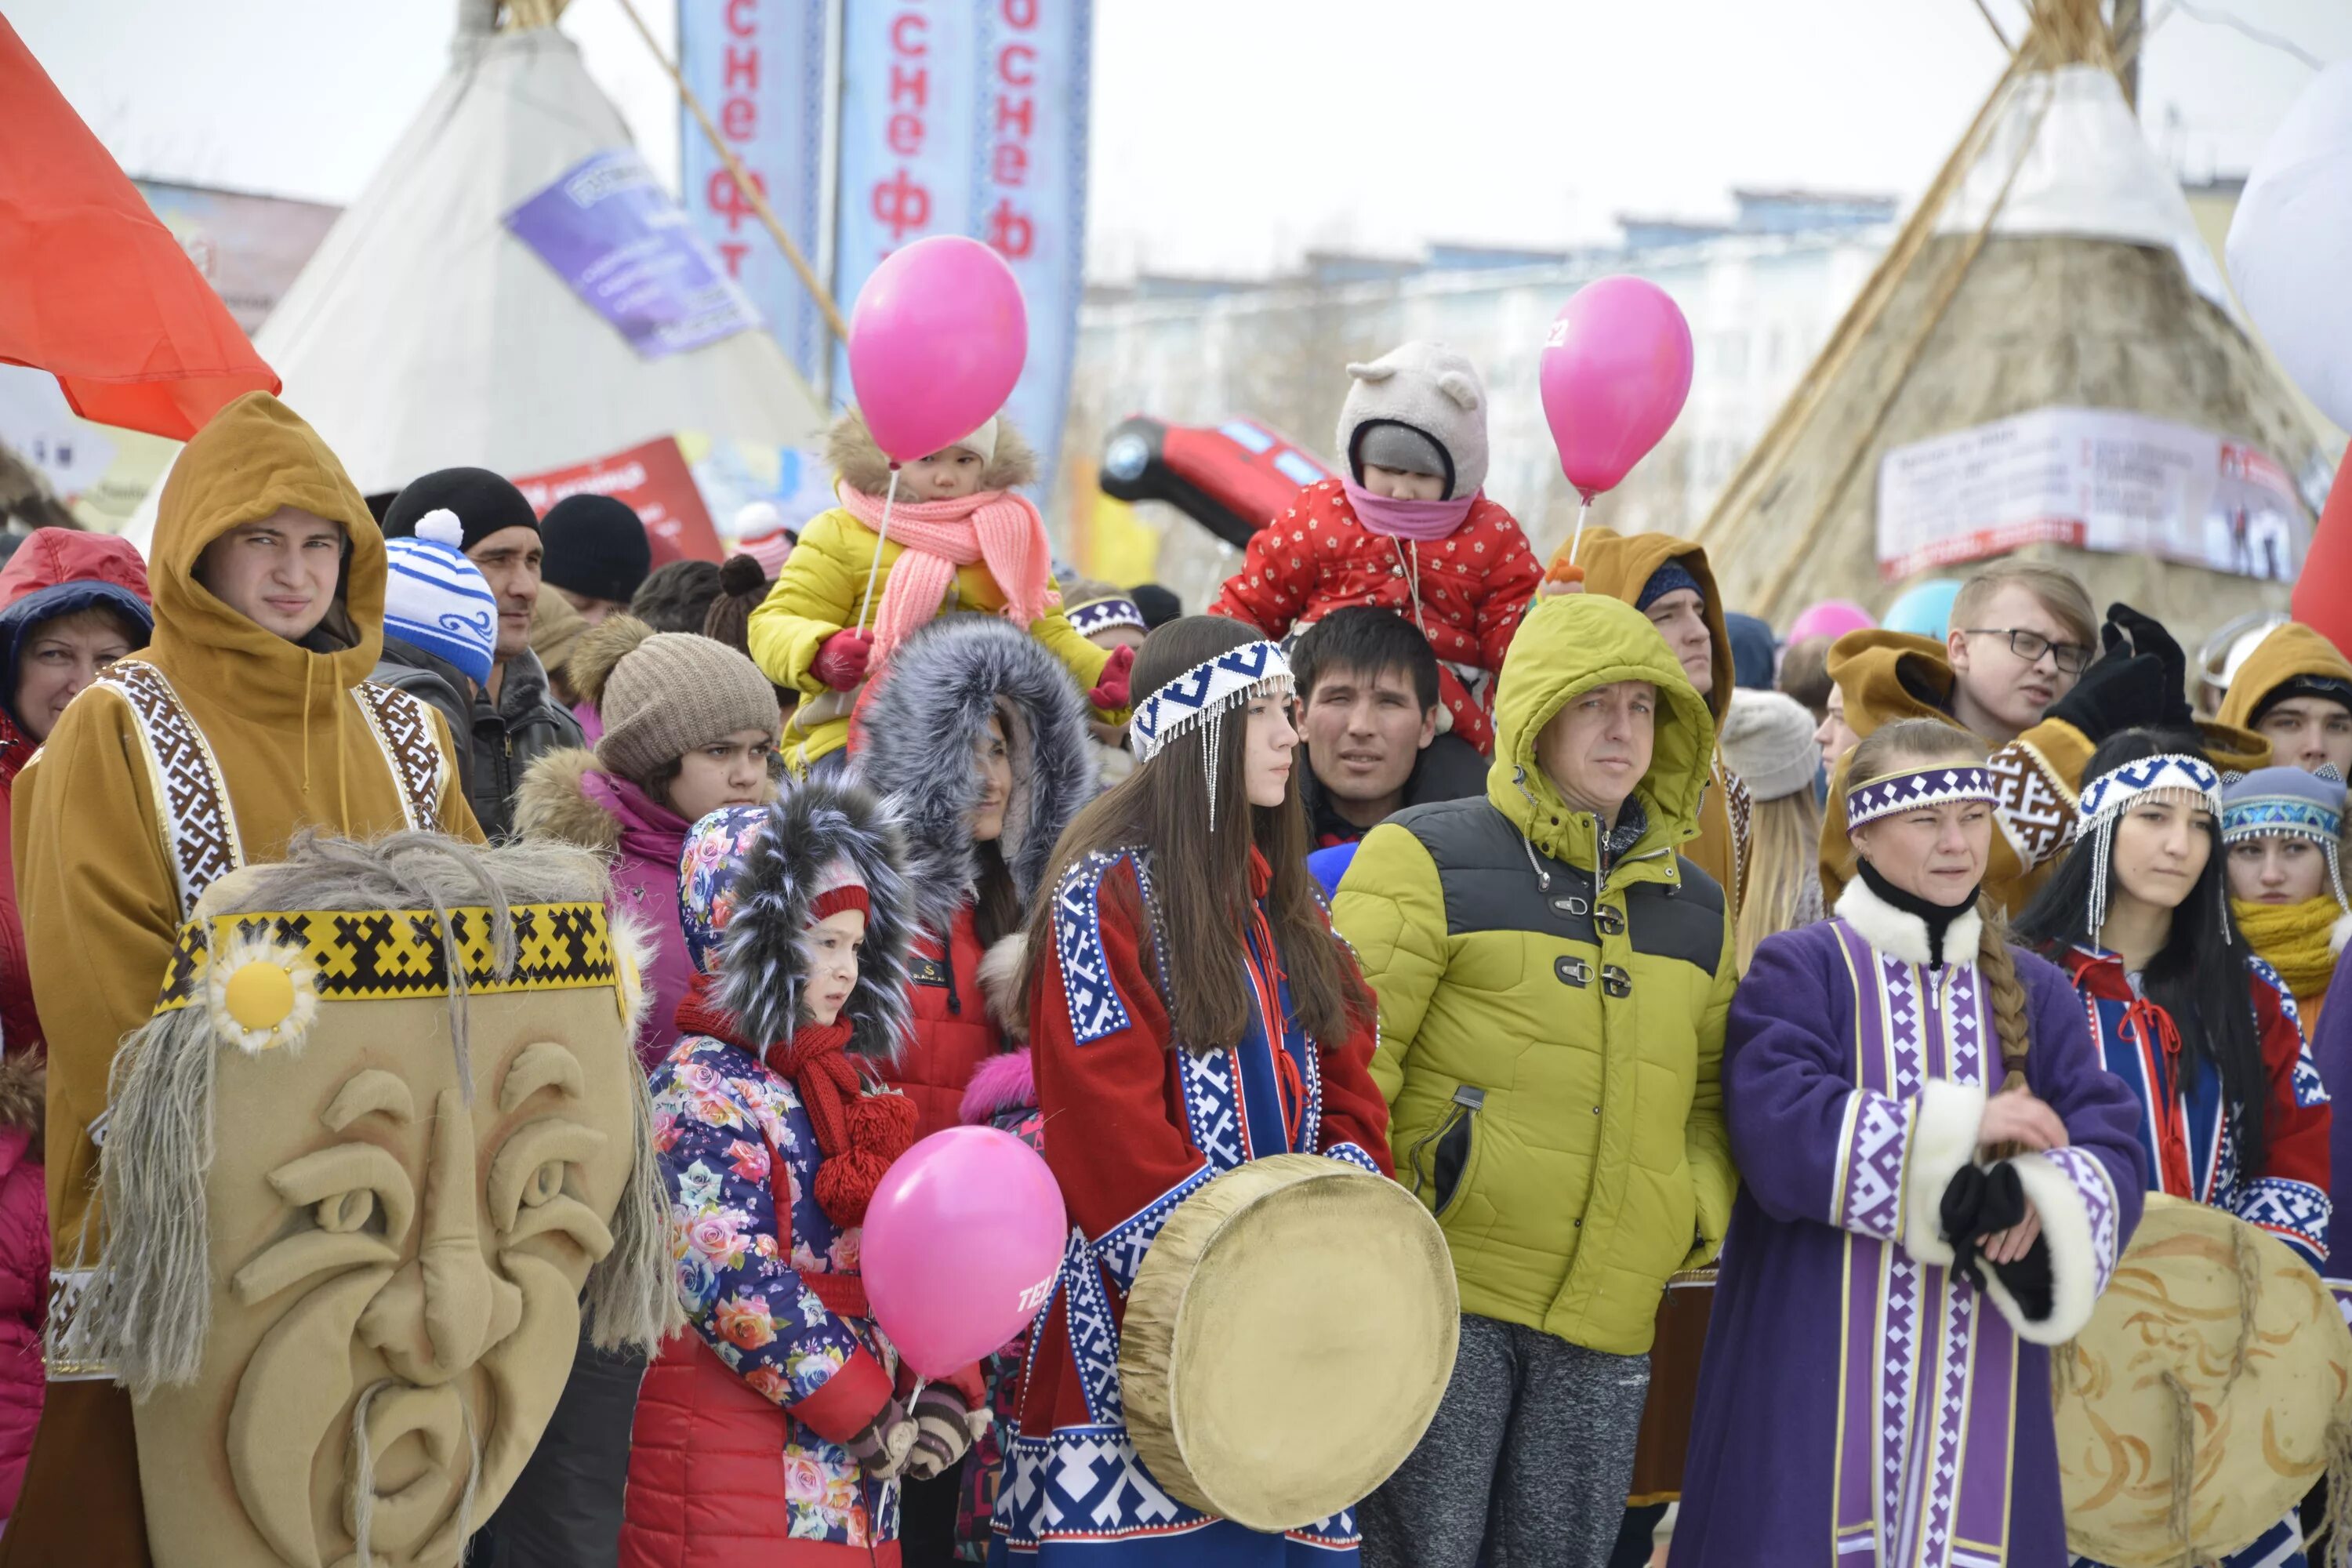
1931 318
1765 456
744 183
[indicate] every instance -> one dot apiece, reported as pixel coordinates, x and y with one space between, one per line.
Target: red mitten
1110 693
841 662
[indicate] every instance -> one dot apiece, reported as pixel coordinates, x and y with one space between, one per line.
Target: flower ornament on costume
2167 776
2288 803
1914 788
1203 695
263 994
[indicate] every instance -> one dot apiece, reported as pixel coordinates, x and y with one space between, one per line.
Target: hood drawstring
1411 563
343 773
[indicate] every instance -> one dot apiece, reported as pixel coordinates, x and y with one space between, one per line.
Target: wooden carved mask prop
352 1205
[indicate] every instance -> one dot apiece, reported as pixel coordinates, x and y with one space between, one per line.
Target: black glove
2127 632
2115 695
1979 1203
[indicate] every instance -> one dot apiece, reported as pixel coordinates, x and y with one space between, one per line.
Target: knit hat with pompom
663 694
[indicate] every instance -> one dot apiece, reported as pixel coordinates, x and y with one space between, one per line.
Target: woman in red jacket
977 737
1191 1010
70 604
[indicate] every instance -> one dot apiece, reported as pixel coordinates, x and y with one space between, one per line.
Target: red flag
98 292
2323 590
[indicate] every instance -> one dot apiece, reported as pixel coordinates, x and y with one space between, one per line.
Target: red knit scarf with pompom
859 1133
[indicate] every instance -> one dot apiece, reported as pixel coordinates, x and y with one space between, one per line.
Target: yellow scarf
2294 938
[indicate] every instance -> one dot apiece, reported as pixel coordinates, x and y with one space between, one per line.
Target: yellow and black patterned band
379 955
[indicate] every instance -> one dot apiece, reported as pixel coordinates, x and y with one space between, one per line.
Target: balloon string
881 537
1582 509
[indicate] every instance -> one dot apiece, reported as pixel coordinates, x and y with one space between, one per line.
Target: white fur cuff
2076 1269
1943 1139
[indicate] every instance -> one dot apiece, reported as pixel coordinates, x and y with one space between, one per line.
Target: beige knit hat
1767 741
663 694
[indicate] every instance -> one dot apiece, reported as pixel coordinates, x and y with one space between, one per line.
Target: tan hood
2290 650
1887 675
254 457
1621 564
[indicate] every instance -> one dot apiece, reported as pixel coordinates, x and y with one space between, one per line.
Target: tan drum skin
1287 1339
2214 1348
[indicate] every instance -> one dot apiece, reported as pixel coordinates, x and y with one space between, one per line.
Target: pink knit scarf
999 527
1423 522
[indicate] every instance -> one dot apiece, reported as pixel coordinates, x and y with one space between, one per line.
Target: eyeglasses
2073 658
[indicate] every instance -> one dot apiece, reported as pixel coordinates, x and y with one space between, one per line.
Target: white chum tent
424 334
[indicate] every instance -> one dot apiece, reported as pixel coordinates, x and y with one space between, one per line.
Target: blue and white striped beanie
437 600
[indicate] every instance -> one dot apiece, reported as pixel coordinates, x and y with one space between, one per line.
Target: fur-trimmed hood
747 881
914 746
857 462
550 803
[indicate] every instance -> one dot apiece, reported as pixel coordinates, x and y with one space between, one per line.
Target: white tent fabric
2089 174
424 334
2289 238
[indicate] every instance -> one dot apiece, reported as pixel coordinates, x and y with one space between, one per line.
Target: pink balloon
936 343
1615 370
1830 619
961 1242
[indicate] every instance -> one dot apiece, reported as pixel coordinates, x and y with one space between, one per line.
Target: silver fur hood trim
762 964
915 747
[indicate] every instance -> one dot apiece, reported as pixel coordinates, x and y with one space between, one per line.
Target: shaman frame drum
2204 1397
1287 1339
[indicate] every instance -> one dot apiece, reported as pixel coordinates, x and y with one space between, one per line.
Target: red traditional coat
1139 1122
1465 591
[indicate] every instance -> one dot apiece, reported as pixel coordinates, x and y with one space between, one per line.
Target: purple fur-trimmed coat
1853 1079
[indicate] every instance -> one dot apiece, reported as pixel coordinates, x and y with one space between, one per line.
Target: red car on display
1230 479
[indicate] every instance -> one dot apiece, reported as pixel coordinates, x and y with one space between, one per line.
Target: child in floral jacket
773 1131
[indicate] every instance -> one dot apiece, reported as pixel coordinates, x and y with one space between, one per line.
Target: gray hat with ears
1432 390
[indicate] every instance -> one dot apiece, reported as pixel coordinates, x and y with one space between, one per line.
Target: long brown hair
1783 859
1911 742
1200 878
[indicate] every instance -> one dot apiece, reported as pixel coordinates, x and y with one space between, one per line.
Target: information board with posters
653 481
624 246
2096 478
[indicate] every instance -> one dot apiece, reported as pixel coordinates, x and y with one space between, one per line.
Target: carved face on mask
395 1258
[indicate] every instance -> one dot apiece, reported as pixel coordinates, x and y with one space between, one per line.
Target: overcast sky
1230 134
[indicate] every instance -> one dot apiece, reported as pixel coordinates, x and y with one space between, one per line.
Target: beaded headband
1105 615
265 975
2169 775
1202 696
1918 787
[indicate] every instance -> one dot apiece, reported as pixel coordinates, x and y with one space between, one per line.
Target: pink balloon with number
961 1242
1615 370
936 343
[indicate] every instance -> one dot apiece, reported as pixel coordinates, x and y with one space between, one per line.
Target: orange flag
97 292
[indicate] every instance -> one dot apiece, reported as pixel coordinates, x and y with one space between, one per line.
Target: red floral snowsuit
1465 591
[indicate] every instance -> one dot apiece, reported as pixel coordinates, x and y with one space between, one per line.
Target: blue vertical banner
956 116
758 66
969 117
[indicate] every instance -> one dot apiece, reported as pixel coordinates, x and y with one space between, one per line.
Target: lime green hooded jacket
1552 1058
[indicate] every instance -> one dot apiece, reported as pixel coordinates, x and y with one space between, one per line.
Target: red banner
652 480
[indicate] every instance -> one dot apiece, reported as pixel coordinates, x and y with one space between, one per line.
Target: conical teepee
2052 266
423 333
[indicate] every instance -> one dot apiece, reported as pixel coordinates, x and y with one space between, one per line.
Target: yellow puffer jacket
823 590
1552 1057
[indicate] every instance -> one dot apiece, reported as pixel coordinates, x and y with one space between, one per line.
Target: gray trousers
1530 1453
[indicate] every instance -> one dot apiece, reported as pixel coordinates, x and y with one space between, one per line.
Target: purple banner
625 247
